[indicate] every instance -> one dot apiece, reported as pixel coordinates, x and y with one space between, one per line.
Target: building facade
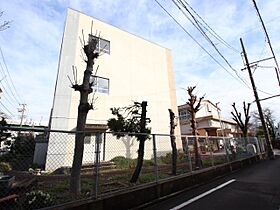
130 69
209 121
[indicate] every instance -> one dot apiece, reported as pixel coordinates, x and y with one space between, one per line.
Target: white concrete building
136 69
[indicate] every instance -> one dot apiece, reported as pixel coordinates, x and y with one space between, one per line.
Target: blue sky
31 47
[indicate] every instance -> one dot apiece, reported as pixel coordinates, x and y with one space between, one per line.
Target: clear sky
31 45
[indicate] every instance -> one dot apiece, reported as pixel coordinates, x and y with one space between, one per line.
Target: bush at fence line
21 153
123 162
240 150
5 167
167 159
36 200
148 163
10 159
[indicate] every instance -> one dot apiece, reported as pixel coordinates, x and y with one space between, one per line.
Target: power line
6 109
239 77
2 55
211 31
8 99
197 42
12 96
203 33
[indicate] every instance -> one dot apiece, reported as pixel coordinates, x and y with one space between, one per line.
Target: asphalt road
255 187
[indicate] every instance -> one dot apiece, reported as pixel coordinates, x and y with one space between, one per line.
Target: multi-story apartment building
209 121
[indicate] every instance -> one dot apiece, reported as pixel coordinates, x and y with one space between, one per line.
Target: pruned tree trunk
85 89
140 159
141 148
194 107
196 147
173 142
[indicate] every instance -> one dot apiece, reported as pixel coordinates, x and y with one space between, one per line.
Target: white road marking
202 195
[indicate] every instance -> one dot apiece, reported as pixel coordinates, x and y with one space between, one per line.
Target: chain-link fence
36 164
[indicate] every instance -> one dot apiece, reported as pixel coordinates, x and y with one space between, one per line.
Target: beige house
209 121
130 69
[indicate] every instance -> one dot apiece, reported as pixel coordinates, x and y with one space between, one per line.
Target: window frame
100 42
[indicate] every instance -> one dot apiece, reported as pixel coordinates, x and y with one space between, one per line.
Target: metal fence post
97 157
155 156
104 145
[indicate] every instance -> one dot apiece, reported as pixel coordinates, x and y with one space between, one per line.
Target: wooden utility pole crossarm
267 138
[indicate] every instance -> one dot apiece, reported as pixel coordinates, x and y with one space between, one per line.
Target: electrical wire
197 42
9 76
7 99
203 33
211 31
8 90
238 79
6 109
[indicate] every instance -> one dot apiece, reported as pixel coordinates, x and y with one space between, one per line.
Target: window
90 138
103 45
184 115
100 84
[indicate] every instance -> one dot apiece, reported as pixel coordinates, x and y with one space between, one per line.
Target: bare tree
85 89
194 106
132 120
237 117
173 142
269 120
5 24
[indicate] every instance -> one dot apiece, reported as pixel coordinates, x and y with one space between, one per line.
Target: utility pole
22 110
267 139
268 41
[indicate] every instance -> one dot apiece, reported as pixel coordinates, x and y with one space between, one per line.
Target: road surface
255 187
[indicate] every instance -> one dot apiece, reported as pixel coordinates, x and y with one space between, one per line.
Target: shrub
167 159
122 162
148 163
36 200
5 167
